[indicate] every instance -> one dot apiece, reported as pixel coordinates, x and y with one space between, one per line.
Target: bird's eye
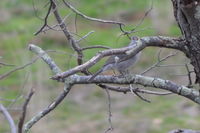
134 38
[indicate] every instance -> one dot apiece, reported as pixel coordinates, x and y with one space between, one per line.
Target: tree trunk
187 14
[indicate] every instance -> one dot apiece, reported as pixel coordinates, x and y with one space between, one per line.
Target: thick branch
55 69
48 109
132 79
166 42
144 81
37 50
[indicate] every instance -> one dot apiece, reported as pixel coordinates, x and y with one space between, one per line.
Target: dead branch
9 118
145 81
159 61
67 34
90 18
132 79
55 69
97 46
5 64
157 41
133 30
128 89
45 19
18 68
24 108
48 109
110 128
85 36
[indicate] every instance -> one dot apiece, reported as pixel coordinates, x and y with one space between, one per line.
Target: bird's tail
94 75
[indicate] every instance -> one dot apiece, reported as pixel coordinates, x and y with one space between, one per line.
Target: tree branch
132 79
9 118
90 18
23 115
48 109
18 68
145 81
67 34
156 41
46 58
55 69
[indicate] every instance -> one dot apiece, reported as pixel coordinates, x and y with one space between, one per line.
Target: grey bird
122 67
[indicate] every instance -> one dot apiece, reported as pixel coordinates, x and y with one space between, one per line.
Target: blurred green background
85 110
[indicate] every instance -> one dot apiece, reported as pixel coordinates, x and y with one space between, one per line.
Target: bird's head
134 40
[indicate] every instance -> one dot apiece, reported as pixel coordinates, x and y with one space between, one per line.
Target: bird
114 62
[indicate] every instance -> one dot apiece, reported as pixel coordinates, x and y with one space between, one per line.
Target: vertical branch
23 115
109 112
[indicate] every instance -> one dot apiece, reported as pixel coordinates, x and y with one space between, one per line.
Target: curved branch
132 79
46 58
166 42
96 46
55 69
18 68
156 41
90 18
91 62
9 118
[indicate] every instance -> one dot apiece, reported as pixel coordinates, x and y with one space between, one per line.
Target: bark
187 14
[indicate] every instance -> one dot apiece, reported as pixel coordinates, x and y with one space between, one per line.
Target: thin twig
127 89
160 60
97 46
35 10
172 65
85 36
5 64
90 18
53 27
9 118
18 68
142 20
140 23
8 100
24 108
134 90
20 92
45 19
109 112
75 23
